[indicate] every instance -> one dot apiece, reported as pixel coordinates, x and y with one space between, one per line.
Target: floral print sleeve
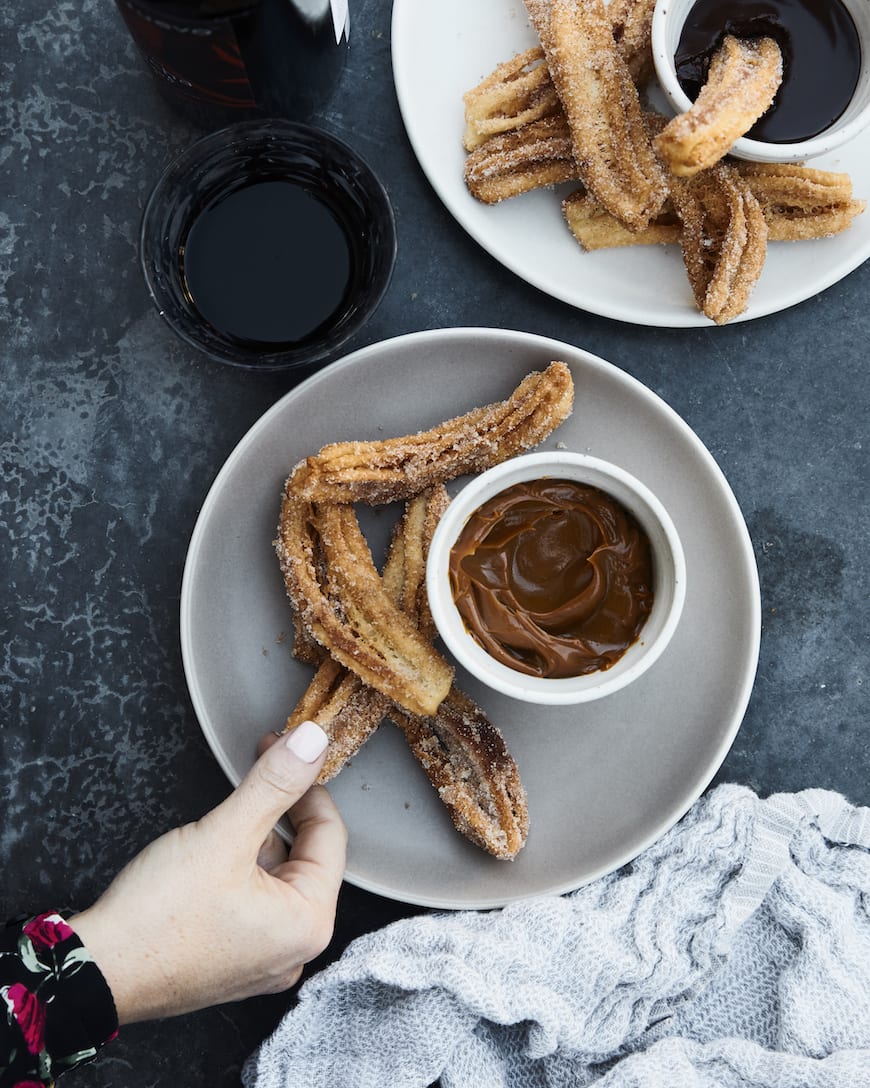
56 1009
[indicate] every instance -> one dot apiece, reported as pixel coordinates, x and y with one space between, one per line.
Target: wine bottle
226 60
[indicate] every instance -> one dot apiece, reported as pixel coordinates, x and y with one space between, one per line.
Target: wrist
128 975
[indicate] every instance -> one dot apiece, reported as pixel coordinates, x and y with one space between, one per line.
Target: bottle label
200 61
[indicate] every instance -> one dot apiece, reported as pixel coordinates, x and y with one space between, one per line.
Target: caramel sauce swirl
553 578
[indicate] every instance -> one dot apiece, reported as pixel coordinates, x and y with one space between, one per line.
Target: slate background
111 432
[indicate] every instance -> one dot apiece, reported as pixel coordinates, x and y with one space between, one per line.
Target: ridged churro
520 90
396 468
531 157
631 24
335 588
723 239
744 76
466 760
515 93
337 699
798 204
594 228
613 151
460 750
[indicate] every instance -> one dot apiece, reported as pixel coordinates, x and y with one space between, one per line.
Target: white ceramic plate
603 780
442 48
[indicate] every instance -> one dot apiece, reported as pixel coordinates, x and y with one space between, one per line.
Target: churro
800 203
723 239
397 468
531 157
460 750
520 90
611 145
466 760
336 698
631 25
594 228
346 708
340 597
742 81
515 93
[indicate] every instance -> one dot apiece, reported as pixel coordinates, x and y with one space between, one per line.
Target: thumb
281 775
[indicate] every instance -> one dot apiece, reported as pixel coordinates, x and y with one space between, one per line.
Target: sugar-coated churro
397 468
594 228
515 93
520 90
723 239
337 698
466 760
611 145
631 23
744 76
800 203
460 750
335 588
531 157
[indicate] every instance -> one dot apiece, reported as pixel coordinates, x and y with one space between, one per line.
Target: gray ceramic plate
605 779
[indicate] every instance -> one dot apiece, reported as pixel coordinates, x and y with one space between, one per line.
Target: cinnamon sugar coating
611 145
743 78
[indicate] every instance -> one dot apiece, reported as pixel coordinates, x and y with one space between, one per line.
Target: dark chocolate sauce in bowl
821 55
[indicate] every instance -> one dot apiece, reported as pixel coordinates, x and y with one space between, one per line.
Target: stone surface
111 432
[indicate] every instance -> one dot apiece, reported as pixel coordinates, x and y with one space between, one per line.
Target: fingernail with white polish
307 741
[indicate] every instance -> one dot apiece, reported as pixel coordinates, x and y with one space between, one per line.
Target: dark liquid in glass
267 263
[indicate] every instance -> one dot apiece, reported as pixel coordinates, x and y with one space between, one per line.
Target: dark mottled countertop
112 432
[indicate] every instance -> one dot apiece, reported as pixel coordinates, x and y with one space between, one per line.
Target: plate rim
743 690
852 259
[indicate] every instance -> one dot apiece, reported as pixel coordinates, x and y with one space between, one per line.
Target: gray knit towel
733 952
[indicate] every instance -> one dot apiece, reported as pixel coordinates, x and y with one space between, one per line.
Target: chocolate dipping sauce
821 56
553 578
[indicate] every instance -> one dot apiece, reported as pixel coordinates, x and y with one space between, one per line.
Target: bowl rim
822 143
635 496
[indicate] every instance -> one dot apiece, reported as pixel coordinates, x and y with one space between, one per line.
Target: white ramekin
667 24
669 578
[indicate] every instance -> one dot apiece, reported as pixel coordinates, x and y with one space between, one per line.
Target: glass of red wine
267 244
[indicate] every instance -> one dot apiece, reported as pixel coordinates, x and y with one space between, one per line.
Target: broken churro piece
723 239
531 157
800 203
514 94
743 79
594 228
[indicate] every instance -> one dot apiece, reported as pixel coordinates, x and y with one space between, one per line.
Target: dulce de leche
553 578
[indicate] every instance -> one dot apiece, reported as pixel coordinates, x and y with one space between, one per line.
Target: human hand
212 912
